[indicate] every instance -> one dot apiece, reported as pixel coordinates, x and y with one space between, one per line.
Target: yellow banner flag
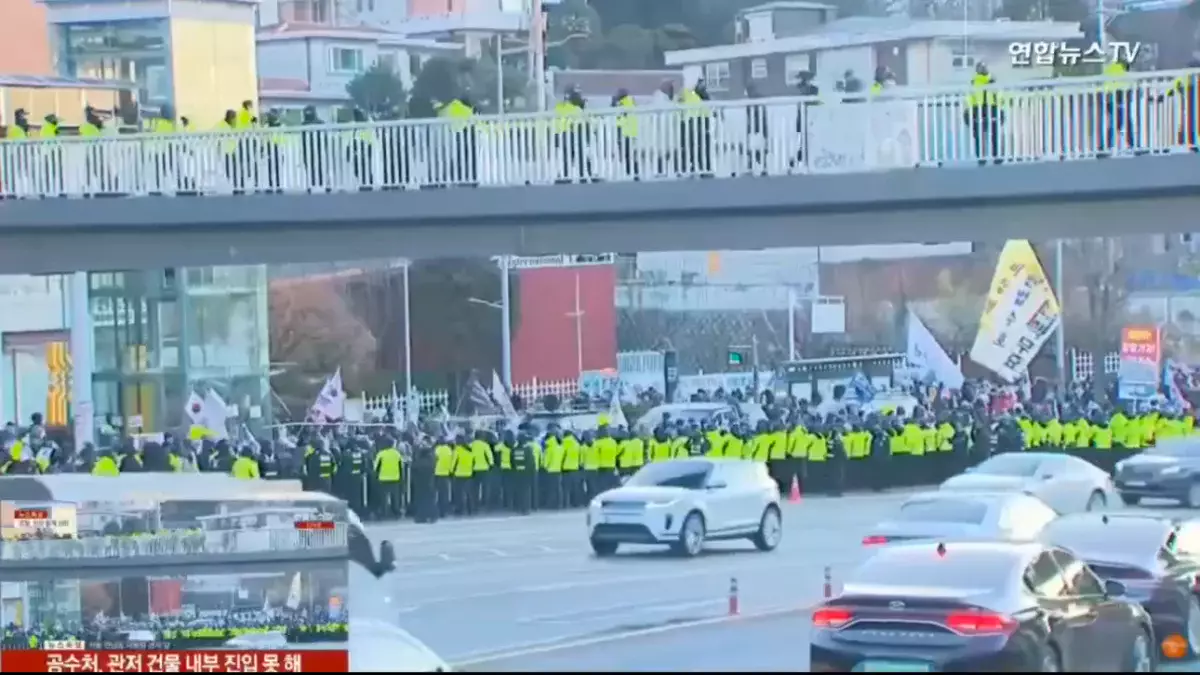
1016 260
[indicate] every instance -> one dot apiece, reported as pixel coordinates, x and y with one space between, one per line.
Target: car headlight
595 503
1119 466
1174 470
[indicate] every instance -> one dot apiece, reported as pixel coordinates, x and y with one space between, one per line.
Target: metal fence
1033 121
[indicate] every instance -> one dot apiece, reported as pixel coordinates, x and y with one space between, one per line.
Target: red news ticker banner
215 661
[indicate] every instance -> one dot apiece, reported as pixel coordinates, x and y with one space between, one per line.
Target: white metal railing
172 543
1041 120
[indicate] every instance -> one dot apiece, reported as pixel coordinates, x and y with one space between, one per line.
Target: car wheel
1130 500
1192 499
691 536
604 548
1141 655
770 529
1096 502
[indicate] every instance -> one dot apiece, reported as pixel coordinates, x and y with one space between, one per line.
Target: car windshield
1010 464
682 474
943 510
1175 448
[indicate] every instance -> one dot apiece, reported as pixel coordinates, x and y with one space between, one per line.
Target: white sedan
1067 484
685 502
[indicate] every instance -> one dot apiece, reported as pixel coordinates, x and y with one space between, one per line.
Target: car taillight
874 540
831 617
1196 584
979 623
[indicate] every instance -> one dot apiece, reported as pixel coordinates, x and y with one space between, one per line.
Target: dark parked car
1157 558
980 607
1169 470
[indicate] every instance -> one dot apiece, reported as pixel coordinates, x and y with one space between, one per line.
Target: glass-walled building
160 335
197 55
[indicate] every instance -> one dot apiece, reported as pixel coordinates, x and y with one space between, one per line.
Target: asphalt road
535 599
523 583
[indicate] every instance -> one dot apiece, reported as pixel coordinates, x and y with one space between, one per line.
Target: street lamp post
505 337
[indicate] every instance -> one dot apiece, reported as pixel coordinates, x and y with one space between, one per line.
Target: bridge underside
1039 201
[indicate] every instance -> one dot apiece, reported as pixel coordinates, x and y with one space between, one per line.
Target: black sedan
981 607
1151 555
1169 470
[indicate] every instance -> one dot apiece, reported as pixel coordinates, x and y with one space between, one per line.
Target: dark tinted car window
943 510
1044 577
689 475
1010 464
974 570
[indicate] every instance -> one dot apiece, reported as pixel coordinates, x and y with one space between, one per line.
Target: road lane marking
547 647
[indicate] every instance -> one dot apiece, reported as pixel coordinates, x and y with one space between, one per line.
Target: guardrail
215 543
1046 120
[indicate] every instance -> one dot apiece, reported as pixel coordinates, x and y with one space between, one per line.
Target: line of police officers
427 477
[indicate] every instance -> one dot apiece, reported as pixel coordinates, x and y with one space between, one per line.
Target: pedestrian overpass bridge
908 165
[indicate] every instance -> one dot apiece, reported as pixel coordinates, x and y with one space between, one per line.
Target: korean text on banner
1012 331
1141 362
1017 256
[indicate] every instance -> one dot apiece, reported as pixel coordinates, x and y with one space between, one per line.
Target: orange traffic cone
794 495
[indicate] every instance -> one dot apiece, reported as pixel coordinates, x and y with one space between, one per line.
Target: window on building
758 69
343 60
387 60
794 64
961 58
716 76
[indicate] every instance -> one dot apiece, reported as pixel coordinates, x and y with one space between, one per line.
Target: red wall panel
544 343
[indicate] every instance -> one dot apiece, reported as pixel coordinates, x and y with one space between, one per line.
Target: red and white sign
209 661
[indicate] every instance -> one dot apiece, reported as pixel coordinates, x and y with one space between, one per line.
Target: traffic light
736 358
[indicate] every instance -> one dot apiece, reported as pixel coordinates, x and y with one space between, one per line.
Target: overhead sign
1141 363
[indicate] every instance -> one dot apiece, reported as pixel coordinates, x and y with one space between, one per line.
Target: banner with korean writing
1141 362
1021 313
138 661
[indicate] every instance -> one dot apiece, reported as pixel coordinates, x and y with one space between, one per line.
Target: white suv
684 502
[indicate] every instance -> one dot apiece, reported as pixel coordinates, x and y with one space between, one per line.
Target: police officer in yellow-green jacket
464 477
627 134
572 470
982 115
777 456
244 467
388 471
461 135
443 475
606 458
1118 103
552 465
105 464
632 453
695 151
571 137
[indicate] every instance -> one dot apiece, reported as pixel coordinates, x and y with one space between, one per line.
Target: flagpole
408 381
1060 338
505 323
791 323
